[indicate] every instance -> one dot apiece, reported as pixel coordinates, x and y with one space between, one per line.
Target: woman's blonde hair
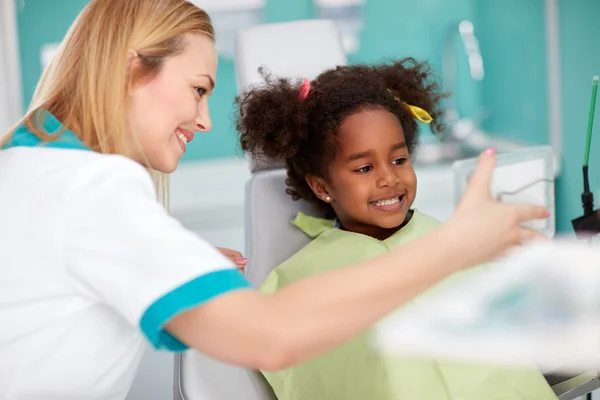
86 85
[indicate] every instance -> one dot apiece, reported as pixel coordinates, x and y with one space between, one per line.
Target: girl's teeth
182 137
387 202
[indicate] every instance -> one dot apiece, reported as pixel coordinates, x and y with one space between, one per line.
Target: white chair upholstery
270 237
198 377
294 50
288 49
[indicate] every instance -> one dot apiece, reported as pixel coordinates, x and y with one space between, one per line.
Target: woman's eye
400 161
200 91
364 169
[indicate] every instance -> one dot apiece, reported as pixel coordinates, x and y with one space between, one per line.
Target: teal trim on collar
23 137
183 298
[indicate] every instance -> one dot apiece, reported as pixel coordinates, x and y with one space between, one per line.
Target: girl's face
371 182
170 108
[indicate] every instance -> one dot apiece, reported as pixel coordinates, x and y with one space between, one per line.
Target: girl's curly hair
274 122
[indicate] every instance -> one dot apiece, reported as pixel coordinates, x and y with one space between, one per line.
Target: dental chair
293 49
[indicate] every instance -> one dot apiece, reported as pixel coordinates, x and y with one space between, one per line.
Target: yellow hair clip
417 112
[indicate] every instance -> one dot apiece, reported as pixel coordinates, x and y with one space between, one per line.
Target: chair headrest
295 50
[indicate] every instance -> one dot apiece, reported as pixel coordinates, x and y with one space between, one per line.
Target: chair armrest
568 386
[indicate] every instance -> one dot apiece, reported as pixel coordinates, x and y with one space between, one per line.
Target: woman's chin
168 169
166 165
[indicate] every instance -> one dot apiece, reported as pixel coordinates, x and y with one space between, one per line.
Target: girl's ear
319 188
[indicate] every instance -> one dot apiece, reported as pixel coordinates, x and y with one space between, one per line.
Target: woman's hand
235 256
484 227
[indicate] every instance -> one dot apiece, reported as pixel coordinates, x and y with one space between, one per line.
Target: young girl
347 139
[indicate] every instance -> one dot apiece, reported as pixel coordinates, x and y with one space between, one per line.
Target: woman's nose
202 121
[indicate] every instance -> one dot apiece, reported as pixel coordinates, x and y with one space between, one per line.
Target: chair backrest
290 50
270 237
293 50
298 49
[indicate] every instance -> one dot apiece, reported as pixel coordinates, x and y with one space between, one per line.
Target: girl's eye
200 91
364 169
400 161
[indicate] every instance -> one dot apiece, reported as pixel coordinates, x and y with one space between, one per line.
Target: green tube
588 141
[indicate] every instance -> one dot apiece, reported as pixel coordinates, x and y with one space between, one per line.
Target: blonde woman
93 267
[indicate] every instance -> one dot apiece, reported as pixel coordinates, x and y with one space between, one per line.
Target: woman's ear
319 188
132 57
133 67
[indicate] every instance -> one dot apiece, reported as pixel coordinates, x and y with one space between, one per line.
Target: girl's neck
376 232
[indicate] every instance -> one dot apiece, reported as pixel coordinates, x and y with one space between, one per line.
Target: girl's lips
393 204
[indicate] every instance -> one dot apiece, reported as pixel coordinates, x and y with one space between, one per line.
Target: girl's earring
328 199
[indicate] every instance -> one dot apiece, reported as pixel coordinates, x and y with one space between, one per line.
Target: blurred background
519 71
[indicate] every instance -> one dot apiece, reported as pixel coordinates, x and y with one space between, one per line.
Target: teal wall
392 29
40 22
416 29
512 97
579 33
514 91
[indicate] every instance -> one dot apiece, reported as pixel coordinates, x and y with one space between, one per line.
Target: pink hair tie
304 89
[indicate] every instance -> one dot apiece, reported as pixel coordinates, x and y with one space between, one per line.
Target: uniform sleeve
124 250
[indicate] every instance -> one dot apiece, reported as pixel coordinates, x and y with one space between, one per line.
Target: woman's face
167 110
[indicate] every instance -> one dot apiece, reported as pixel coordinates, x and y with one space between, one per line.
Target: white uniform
91 268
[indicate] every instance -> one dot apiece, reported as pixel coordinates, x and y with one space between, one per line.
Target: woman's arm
271 332
311 316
